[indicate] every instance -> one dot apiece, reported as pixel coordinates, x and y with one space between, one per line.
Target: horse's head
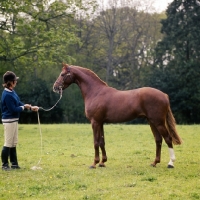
63 80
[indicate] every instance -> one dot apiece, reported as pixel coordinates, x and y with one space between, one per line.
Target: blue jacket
11 106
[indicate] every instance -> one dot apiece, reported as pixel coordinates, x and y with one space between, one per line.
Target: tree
176 70
117 43
35 36
37 33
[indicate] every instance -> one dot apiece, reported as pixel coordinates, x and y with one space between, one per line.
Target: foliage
176 68
34 36
122 44
117 44
39 95
68 151
73 106
32 31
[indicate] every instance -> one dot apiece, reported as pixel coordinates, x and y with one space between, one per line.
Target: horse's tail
171 126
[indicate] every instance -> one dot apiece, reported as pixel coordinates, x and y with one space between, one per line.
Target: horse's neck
87 81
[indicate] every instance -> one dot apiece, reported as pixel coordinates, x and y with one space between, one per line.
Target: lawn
67 152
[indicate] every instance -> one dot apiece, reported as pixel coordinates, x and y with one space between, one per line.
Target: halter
60 83
68 72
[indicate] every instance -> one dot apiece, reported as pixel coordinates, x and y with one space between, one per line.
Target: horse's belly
114 110
125 115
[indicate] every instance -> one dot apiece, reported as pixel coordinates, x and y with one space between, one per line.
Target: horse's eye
62 74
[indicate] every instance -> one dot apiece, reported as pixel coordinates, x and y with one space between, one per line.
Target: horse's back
113 105
142 102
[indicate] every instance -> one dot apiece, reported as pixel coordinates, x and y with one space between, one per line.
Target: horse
104 104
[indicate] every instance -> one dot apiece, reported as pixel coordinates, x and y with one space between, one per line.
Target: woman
11 107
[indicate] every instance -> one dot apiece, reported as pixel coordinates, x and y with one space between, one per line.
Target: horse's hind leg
158 140
172 158
168 139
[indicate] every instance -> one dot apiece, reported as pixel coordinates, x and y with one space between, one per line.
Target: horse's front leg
98 142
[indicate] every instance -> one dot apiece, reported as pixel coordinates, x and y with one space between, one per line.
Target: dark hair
8 84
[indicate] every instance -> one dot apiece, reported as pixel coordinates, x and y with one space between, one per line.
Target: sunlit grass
67 153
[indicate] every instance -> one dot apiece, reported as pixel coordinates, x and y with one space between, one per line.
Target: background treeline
127 44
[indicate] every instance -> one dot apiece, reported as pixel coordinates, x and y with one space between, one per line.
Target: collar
8 90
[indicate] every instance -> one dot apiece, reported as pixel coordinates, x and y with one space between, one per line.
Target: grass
68 152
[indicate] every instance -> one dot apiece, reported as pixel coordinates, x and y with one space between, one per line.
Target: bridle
68 74
65 76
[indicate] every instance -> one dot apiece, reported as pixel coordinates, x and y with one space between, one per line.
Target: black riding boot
4 158
13 158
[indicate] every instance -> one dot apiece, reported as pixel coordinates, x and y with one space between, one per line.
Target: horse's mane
90 73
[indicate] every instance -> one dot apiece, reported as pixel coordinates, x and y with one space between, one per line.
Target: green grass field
67 153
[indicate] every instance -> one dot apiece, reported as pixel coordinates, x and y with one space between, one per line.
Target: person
11 107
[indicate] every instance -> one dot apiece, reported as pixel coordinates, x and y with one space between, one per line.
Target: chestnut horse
104 104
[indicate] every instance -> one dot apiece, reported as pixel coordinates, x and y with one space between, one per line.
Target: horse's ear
65 65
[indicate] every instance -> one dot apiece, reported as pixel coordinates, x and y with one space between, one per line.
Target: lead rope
37 167
55 103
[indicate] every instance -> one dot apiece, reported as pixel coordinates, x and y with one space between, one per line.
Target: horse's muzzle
57 89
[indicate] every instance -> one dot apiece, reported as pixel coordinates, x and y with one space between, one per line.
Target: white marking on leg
172 157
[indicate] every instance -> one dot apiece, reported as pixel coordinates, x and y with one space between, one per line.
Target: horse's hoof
170 166
92 167
102 165
152 165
